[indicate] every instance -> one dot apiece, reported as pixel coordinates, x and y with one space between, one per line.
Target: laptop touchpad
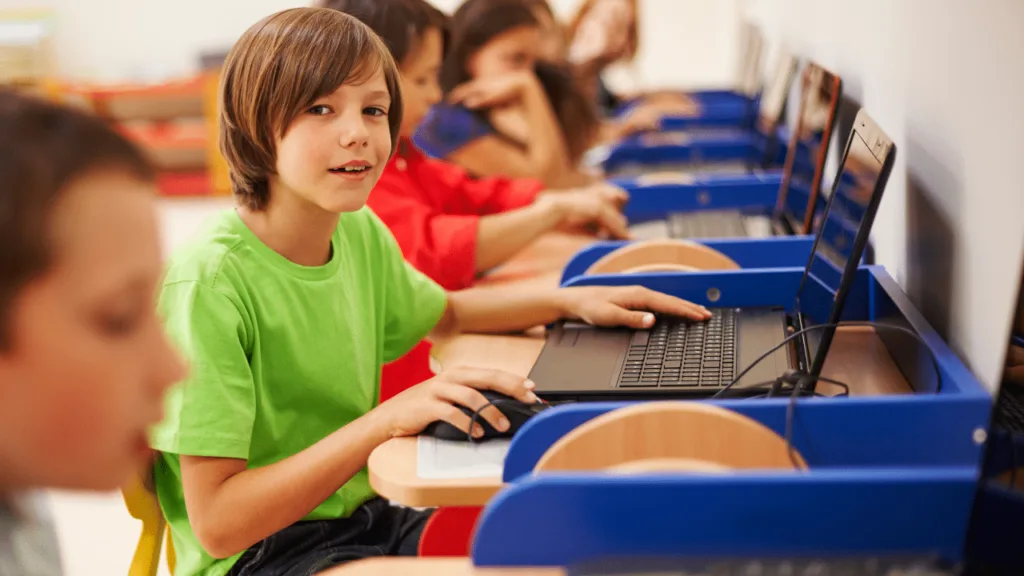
581 358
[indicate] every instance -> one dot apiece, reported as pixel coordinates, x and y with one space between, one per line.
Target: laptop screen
774 97
752 65
813 135
843 226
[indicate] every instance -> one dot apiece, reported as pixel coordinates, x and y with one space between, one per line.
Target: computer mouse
517 412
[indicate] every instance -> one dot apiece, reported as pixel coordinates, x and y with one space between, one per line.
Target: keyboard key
640 338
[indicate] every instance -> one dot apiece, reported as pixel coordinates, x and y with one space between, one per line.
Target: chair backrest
142 503
217 167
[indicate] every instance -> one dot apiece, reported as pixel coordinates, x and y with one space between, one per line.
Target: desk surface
542 259
857 357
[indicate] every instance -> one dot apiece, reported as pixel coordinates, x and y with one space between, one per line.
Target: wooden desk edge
392 470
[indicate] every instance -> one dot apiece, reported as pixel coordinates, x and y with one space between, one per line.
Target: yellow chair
220 181
140 498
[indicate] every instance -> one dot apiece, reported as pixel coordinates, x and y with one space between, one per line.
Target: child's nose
354 133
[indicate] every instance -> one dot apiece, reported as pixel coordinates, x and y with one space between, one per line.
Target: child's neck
296 229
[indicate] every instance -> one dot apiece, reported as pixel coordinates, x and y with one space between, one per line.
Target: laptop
770 111
772 105
684 359
803 169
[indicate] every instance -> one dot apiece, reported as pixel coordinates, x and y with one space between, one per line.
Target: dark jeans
375 529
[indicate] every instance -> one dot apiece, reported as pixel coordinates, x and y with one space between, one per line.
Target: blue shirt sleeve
447 128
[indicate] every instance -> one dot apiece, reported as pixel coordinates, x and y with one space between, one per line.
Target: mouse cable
796 379
516 404
794 335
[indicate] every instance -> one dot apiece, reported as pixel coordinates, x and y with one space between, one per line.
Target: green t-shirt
280 355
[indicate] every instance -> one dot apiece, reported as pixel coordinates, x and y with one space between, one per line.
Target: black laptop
805 163
680 358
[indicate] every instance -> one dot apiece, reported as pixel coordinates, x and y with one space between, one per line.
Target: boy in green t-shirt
288 306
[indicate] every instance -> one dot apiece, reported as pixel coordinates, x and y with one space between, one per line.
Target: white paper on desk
439 459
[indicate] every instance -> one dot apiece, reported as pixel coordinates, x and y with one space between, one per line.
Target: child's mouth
351 171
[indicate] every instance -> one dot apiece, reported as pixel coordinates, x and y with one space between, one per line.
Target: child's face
513 51
552 48
333 152
88 362
419 80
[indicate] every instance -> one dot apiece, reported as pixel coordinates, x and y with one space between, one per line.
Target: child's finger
460 395
452 415
500 381
642 298
613 221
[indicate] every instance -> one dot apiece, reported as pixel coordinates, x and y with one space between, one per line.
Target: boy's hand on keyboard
625 306
609 192
409 412
579 209
604 190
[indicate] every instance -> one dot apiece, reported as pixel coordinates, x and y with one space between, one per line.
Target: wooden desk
544 258
857 357
432 567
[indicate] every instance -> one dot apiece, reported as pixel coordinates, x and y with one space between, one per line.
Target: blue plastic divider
891 473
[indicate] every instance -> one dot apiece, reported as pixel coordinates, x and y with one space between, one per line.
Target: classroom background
943 76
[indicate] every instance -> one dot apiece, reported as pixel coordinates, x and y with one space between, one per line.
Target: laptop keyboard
678 353
706 224
1010 408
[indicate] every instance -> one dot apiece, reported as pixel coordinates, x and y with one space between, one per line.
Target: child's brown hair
401 24
280 66
44 148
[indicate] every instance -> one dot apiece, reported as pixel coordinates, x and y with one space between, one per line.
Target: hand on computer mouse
441 398
631 306
516 411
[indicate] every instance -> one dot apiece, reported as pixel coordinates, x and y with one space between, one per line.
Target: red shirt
433 208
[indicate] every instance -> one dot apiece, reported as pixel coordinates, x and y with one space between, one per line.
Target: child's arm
231 508
482 196
545 156
501 235
501 309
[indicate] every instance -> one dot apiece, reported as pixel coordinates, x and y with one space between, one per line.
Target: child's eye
119 324
319 110
375 111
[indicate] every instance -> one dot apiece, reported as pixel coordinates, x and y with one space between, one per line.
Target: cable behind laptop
798 333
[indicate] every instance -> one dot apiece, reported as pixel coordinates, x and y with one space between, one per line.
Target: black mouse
517 412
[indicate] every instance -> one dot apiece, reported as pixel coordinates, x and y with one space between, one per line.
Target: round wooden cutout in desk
432 567
662 255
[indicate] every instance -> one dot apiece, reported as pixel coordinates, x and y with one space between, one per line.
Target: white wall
685 42
944 80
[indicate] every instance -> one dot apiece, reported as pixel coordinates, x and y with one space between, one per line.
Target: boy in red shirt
449 225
